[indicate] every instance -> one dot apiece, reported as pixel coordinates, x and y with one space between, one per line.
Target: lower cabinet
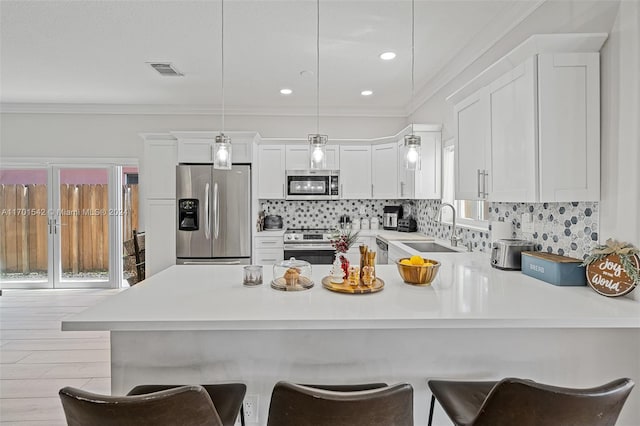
160 231
354 252
269 249
395 254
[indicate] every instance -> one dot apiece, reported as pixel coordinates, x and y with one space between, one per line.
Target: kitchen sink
429 247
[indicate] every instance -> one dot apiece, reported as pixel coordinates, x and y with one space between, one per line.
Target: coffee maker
390 217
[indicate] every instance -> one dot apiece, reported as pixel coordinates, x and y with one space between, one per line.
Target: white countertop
467 293
387 235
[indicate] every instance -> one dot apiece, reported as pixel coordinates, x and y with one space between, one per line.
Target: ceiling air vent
165 69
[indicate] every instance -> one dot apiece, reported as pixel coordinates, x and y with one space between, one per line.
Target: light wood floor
37 359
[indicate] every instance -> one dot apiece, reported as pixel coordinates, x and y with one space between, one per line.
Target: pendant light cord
317 67
222 61
413 55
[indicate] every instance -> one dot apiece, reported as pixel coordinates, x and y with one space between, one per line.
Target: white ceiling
94 52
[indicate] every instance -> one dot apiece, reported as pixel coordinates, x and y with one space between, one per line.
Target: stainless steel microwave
313 184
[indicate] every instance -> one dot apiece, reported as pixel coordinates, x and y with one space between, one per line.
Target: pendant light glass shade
318 142
412 152
222 152
318 151
222 146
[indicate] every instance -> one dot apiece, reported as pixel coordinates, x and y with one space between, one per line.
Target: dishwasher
383 251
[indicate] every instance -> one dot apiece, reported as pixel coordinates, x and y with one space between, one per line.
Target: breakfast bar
199 324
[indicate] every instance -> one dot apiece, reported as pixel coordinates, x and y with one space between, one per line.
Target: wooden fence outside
84 216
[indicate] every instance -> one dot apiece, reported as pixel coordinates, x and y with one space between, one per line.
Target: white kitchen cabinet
159 169
269 249
406 178
201 150
271 172
160 232
384 171
472 147
297 157
569 126
427 182
513 175
539 124
355 172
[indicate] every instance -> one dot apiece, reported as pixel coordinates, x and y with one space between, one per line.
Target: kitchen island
198 324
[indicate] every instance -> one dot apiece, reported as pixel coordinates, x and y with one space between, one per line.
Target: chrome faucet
454 238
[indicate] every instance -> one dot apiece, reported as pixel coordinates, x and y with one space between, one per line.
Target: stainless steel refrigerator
213 215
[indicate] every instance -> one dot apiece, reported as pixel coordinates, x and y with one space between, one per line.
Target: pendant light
412 142
222 146
318 142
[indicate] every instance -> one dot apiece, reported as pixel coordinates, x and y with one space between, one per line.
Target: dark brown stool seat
227 398
518 402
184 406
299 405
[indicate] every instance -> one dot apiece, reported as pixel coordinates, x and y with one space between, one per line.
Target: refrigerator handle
216 210
207 212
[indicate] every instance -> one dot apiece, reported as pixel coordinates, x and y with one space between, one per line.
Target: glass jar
292 275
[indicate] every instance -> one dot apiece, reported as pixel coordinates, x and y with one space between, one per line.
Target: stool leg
433 401
242 414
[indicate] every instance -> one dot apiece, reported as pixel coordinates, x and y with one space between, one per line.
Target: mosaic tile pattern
569 229
324 214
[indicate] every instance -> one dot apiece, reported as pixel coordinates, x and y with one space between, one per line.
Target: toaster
507 254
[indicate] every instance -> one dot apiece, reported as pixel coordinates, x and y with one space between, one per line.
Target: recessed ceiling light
286 91
387 56
366 92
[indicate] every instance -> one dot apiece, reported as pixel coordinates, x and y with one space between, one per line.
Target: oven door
313 255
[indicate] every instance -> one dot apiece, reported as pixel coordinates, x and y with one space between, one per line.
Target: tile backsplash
569 229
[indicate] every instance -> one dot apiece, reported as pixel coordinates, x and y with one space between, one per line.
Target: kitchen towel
501 230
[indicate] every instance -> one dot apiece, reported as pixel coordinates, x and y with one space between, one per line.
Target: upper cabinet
427 182
384 171
199 147
471 147
271 172
532 132
297 157
569 126
355 172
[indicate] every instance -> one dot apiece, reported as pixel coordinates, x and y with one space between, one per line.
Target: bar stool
184 405
299 405
227 398
521 402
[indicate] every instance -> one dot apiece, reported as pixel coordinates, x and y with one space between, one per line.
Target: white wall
620 153
116 135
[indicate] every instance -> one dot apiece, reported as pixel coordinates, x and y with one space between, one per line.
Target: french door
61 226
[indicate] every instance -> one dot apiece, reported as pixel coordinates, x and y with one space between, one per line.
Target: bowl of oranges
418 271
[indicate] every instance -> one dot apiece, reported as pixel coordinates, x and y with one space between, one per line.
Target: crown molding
144 109
475 49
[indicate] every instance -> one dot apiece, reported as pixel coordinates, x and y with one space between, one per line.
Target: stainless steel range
312 245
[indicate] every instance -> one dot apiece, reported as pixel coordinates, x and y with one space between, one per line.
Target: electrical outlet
363 210
251 408
526 223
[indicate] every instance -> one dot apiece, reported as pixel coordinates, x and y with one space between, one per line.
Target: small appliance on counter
272 222
344 221
507 253
407 225
390 217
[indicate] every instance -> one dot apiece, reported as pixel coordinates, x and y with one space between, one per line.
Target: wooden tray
304 283
345 287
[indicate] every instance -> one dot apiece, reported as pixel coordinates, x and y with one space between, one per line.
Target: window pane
24 230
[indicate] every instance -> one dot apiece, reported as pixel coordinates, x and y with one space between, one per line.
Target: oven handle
308 247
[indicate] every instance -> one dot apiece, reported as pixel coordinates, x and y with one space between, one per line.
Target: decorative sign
613 269
608 276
